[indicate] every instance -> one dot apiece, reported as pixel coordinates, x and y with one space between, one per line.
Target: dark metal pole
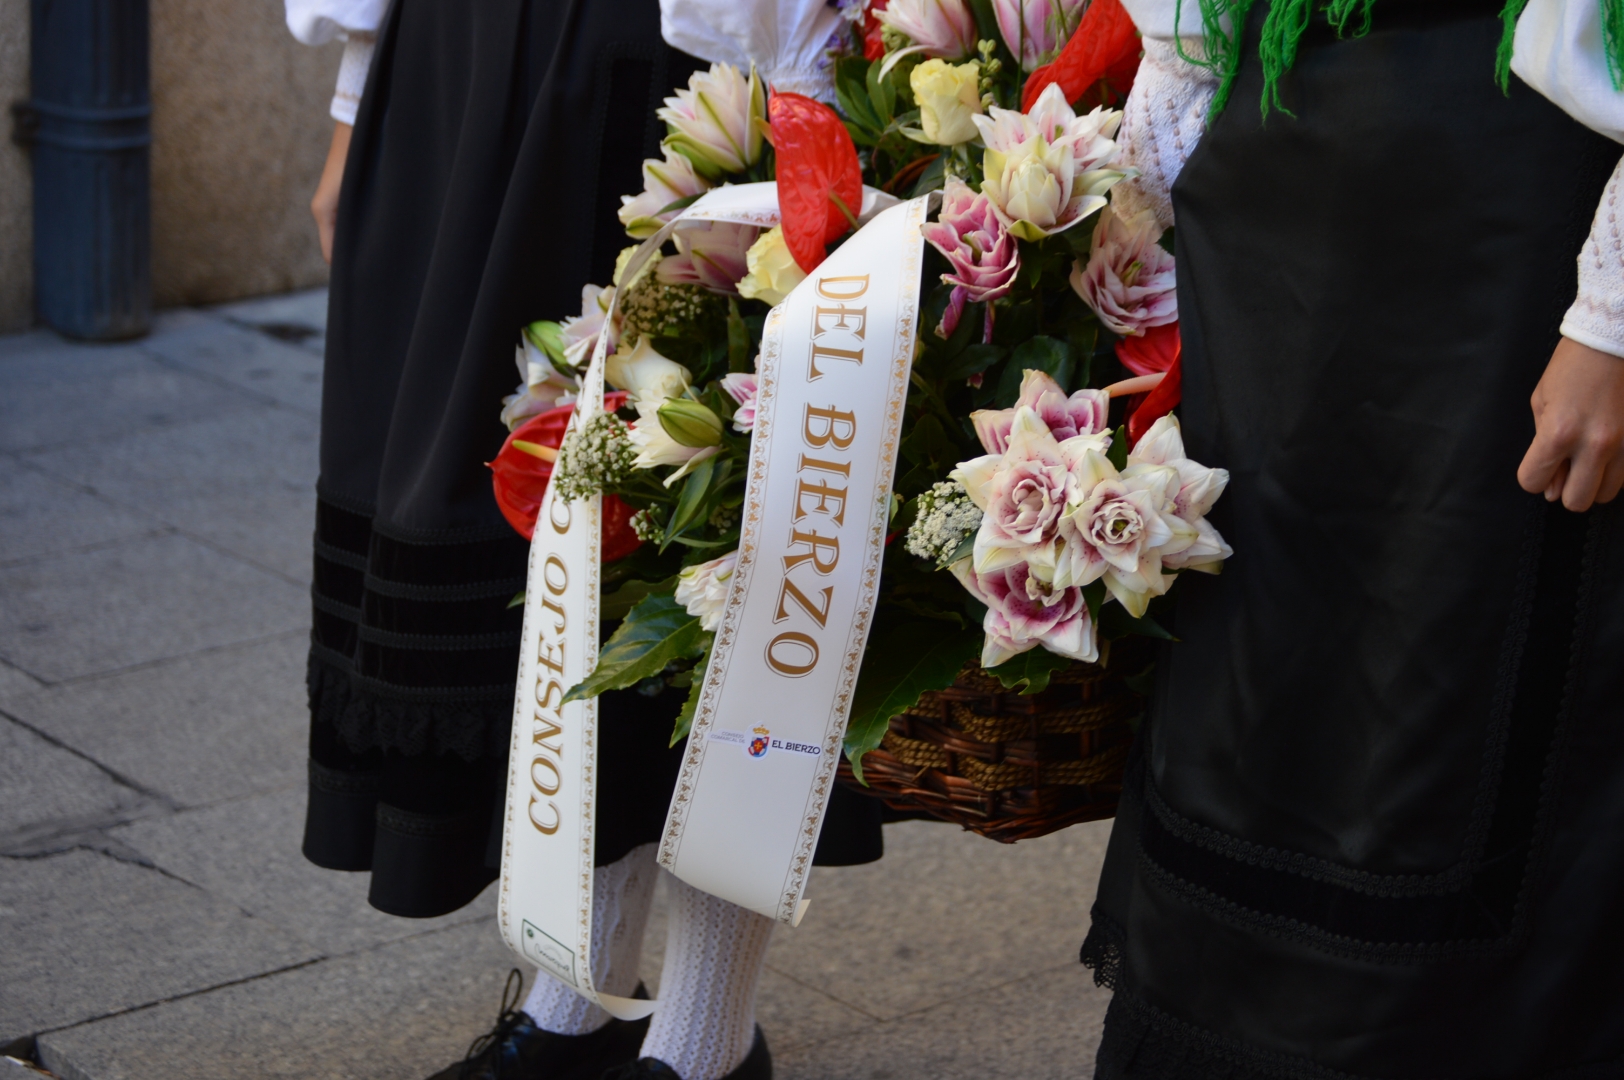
89 123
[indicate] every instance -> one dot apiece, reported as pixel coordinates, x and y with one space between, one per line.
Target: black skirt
1372 825
489 153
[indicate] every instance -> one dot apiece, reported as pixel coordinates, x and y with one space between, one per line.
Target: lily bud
690 423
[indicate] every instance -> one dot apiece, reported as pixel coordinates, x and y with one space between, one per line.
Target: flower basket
1012 766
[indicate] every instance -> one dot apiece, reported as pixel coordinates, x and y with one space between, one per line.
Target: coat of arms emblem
759 745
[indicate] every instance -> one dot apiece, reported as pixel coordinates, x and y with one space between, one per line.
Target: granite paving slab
136 602
299 318
47 791
943 914
42 515
247 852
244 357
245 482
1043 1026
58 393
398 1012
16 683
85 935
222 724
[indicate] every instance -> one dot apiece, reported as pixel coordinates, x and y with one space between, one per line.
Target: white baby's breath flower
946 516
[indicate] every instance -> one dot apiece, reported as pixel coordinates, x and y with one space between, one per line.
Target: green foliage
1041 353
1118 452
911 658
1030 671
655 632
696 683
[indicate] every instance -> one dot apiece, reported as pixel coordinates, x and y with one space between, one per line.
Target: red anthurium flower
1105 46
873 43
524 465
817 164
1161 400
1150 352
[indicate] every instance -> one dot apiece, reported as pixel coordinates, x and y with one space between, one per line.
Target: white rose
773 272
948 96
646 375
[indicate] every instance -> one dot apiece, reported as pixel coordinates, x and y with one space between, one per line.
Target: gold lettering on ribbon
838 331
549 711
782 666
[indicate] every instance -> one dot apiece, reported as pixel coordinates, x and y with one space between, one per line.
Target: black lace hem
471 726
1102 951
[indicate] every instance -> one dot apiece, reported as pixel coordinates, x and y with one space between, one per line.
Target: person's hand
1578 450
324 206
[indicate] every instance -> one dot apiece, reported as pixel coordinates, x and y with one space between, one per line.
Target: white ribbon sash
545 902
832 382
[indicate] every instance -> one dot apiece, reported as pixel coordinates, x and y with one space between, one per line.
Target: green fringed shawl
1287 20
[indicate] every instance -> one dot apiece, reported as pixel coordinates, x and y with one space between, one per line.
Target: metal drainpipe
88 124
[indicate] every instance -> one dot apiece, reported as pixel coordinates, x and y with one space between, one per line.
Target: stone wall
16 245
239 133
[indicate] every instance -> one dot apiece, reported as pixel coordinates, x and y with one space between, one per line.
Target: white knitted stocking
714 956
621 895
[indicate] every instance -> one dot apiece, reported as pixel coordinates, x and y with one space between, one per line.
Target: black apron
490 150
1374 824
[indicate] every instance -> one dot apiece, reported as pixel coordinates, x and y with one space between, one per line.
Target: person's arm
324 206
316 22
1162 120
1578 450
1577 454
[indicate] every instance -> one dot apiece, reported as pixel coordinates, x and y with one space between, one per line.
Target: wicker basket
1009 766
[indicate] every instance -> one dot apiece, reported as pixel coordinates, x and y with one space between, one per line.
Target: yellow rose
773 271
948 96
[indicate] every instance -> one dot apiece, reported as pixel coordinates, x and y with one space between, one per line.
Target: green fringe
1287 20
1508 31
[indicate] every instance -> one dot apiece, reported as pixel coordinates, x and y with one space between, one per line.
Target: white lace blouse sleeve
785 39
1166 111
316 22
1559 52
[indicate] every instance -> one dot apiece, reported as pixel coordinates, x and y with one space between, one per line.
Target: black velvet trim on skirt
481 191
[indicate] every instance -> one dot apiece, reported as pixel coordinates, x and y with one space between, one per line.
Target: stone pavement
157 921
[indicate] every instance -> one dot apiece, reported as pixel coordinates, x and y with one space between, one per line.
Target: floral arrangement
1044 504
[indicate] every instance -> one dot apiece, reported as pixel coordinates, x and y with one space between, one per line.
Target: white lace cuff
352 75
1596 318
1162 120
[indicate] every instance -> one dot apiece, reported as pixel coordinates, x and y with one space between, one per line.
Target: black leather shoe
757 1065
516 1049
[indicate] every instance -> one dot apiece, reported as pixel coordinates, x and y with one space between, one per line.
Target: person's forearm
324 206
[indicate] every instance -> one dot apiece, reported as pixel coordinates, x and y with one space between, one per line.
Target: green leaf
692 499
1030 671
1046 354
657 631
616 605
738 340
1084 336
932 179
1117 455
679 204
974 358
685 716
965 549
518 599
928 442
908 660
882 93
851 92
